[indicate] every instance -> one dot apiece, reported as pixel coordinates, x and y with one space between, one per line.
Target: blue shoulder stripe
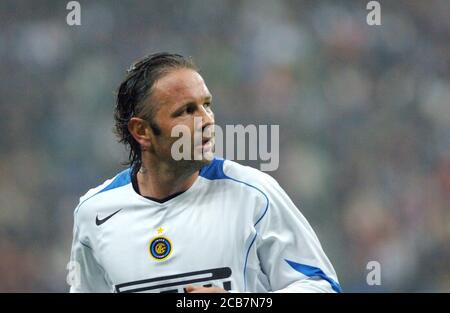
213 170
312 271
122 179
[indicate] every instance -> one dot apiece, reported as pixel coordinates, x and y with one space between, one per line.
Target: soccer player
208 225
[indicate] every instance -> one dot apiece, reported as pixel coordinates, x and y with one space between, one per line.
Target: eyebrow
183 106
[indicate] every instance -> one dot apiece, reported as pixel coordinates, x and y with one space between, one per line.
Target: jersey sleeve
85 273
289 251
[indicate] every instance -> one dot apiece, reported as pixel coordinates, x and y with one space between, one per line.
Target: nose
207 117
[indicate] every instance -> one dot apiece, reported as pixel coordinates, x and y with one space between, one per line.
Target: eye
190 109
207 105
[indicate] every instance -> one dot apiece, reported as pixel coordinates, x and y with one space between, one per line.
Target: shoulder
121 179
226 169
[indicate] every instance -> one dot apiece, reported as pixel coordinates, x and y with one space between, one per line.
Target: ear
141 132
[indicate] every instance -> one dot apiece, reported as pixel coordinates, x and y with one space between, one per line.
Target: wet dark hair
136 89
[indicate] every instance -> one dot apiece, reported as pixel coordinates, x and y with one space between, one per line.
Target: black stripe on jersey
215 274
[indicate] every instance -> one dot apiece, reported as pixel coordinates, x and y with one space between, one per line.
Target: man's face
182 97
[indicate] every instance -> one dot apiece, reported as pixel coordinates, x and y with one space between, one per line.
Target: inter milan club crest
160 247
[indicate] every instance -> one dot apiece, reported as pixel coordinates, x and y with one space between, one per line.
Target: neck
160 179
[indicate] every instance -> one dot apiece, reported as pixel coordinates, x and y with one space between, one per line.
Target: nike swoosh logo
101 221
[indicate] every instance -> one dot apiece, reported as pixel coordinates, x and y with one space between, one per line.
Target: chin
204 158
194 165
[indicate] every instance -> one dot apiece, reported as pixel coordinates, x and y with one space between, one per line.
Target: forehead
180 86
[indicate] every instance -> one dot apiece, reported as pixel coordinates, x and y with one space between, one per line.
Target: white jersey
235 228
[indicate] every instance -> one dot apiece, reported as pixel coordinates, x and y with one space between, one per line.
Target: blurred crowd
364 115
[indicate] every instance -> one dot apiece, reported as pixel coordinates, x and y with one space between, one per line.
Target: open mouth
207 144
